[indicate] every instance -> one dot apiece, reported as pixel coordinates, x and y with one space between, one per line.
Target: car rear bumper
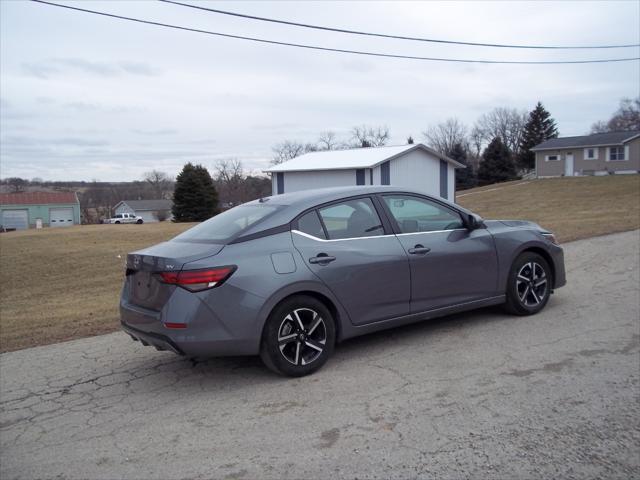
206 332
160 342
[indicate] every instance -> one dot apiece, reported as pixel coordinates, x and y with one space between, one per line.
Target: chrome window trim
373 236
430 231
338 239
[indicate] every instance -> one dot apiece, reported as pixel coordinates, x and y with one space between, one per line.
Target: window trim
617 147
394 222
596 153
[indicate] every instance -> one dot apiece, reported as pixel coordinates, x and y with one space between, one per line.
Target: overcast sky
86 97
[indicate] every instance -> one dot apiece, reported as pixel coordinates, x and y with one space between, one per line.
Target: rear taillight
198 280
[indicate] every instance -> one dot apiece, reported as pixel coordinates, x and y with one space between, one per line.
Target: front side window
351 219
616 153
226 225
414 215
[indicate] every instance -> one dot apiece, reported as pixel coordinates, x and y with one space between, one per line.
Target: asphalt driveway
481 394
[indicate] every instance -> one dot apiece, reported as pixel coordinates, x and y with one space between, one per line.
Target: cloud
45 69
160 131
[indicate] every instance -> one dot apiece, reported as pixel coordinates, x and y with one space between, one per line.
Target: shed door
61 217
18 219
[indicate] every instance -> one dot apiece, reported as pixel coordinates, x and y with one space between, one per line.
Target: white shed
415 166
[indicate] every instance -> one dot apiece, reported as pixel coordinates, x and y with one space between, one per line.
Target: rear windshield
227 225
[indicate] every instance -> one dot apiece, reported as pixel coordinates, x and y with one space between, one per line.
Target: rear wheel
139 221
529 284
117 222
298 337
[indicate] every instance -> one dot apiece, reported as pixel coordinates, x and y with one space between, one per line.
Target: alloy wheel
531 284
302 336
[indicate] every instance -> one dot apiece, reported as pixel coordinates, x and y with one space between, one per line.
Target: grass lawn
60 284
573 208
63 283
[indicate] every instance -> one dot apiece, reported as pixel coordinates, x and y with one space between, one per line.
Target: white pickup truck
123 218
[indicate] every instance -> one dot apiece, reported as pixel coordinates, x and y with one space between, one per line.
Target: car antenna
264 199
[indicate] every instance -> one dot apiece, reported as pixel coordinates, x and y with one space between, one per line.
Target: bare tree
506 123
229 178
599 127
626 118
368 136
159 182
327 141
286 151
476 139
444 136
17 184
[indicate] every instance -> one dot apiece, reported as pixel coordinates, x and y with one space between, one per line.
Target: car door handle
419 250
322 259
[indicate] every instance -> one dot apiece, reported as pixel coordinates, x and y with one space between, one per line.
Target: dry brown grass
60 284
573 208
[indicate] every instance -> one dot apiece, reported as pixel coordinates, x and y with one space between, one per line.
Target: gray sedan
289 276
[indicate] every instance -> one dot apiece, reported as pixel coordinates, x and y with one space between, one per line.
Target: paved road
480 395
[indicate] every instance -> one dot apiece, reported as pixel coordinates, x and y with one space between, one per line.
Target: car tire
139 222
117 222
298 337
529 284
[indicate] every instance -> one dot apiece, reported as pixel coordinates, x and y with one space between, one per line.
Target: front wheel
139 221
298 337
529 284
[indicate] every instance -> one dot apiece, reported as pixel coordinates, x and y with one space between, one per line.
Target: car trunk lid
145 288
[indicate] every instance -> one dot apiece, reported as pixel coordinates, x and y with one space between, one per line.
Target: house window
616 153
590 153
553 158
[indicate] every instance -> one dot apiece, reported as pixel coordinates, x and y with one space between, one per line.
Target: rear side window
351 219
310 224
415 215
227 225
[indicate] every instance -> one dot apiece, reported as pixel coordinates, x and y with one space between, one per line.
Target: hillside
573 208
59 284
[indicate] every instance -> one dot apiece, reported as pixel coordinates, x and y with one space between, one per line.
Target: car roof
293 204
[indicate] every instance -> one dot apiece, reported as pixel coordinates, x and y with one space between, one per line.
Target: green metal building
46 209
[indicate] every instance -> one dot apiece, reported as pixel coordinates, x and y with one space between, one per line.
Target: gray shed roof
594 140
159 204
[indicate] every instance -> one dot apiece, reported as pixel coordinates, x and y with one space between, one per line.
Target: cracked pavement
480 394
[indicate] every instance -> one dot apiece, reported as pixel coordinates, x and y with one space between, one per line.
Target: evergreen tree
539 127
195 198
465 177
497 164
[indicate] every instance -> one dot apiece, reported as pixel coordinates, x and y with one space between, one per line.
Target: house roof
37 198
158 204
353 158
594 140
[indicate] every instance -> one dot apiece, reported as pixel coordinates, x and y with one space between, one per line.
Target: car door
449 264
359 259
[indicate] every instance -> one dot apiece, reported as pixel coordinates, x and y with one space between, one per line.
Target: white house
414 166
149 210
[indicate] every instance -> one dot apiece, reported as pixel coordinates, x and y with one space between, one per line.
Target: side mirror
473 221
